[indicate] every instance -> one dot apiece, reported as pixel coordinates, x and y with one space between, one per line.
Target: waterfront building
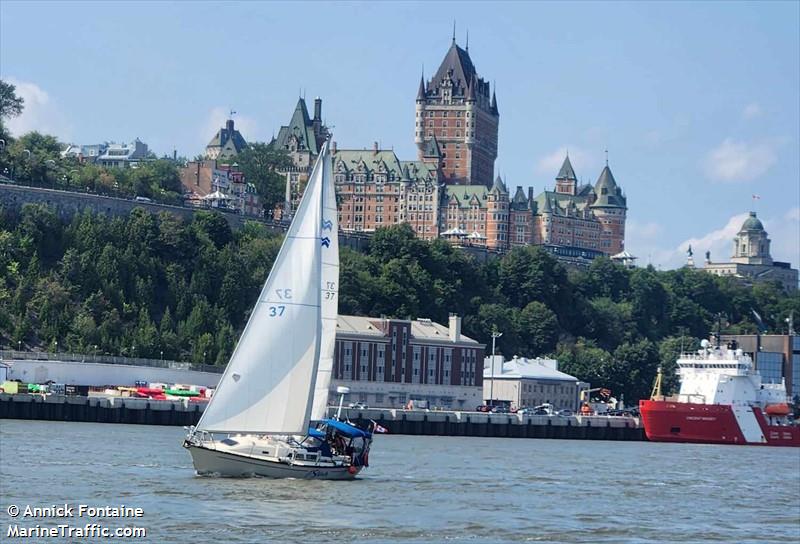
457 116
302 139
387 362
751 261
775 356
123 155
226 143
526 383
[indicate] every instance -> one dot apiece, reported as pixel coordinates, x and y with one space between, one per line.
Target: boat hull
668 421
219 463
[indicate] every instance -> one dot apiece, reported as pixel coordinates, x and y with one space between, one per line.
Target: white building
525 382
123 155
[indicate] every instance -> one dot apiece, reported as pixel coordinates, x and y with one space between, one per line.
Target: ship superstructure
722 399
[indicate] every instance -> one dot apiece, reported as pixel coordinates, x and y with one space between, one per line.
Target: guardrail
107 359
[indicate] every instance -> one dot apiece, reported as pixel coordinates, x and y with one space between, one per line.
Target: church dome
752 223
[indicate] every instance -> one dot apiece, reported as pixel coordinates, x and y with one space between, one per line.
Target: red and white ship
722 400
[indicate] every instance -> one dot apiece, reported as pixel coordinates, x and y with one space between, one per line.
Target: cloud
718 242
739 161
39 113
784 232
551 163
215 120
751 111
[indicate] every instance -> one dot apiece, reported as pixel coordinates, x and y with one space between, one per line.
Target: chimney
530 194
333 146
317 109
455 328
229 126
375 147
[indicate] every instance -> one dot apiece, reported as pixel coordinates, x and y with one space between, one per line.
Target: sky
698 104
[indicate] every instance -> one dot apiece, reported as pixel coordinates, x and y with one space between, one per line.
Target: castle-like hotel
450 189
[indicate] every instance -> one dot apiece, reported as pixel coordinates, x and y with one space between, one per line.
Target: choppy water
419 489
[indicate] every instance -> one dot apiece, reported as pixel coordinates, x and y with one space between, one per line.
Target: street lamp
495 336
19 345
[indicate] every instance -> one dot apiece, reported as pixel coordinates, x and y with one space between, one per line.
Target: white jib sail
268 383
330 290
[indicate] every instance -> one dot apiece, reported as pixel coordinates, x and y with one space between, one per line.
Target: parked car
500 410
142 199
483 408
358 405
566 413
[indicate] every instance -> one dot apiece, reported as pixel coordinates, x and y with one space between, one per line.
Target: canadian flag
379 428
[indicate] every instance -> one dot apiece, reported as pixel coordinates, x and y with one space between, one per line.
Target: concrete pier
410 422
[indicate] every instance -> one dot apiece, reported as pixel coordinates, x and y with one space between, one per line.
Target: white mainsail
268 383
330 290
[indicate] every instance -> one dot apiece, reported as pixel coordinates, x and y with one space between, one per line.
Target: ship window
675 430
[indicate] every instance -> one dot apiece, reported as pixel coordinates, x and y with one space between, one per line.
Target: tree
538 329
11 105
260 163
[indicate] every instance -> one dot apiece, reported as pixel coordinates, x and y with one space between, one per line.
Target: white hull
232 465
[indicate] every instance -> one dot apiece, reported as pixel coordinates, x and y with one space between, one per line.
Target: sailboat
277 380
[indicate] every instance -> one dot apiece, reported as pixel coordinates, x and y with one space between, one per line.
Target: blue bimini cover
315 433
345 429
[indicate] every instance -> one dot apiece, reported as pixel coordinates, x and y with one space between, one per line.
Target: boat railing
12 355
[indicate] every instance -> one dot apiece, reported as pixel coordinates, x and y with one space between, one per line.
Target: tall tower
610 207
566 182
458 108
751 245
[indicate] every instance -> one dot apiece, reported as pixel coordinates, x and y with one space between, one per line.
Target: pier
100 409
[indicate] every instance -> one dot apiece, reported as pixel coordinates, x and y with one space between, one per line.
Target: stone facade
457 115
751 261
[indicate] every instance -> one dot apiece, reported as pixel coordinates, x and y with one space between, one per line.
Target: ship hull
210 462
668 421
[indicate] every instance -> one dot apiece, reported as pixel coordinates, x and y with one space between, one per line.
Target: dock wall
407 422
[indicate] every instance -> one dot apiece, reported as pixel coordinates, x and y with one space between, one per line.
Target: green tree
11 105
260 163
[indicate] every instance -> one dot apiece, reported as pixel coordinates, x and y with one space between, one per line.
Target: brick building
457 115
387 362
376 189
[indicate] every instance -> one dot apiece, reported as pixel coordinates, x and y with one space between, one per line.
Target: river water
419 489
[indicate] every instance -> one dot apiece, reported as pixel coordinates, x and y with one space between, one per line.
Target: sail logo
327 225
326 242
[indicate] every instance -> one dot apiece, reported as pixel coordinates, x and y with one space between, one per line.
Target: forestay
267 386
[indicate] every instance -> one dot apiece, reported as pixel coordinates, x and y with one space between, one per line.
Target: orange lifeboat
781 409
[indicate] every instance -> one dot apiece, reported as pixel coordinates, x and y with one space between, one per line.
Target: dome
752 223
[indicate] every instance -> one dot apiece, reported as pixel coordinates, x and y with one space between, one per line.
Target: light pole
495 336
19 345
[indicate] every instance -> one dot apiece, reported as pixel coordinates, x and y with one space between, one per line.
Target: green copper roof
752 223
301 127
609 195
369 161
566 171
466 195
